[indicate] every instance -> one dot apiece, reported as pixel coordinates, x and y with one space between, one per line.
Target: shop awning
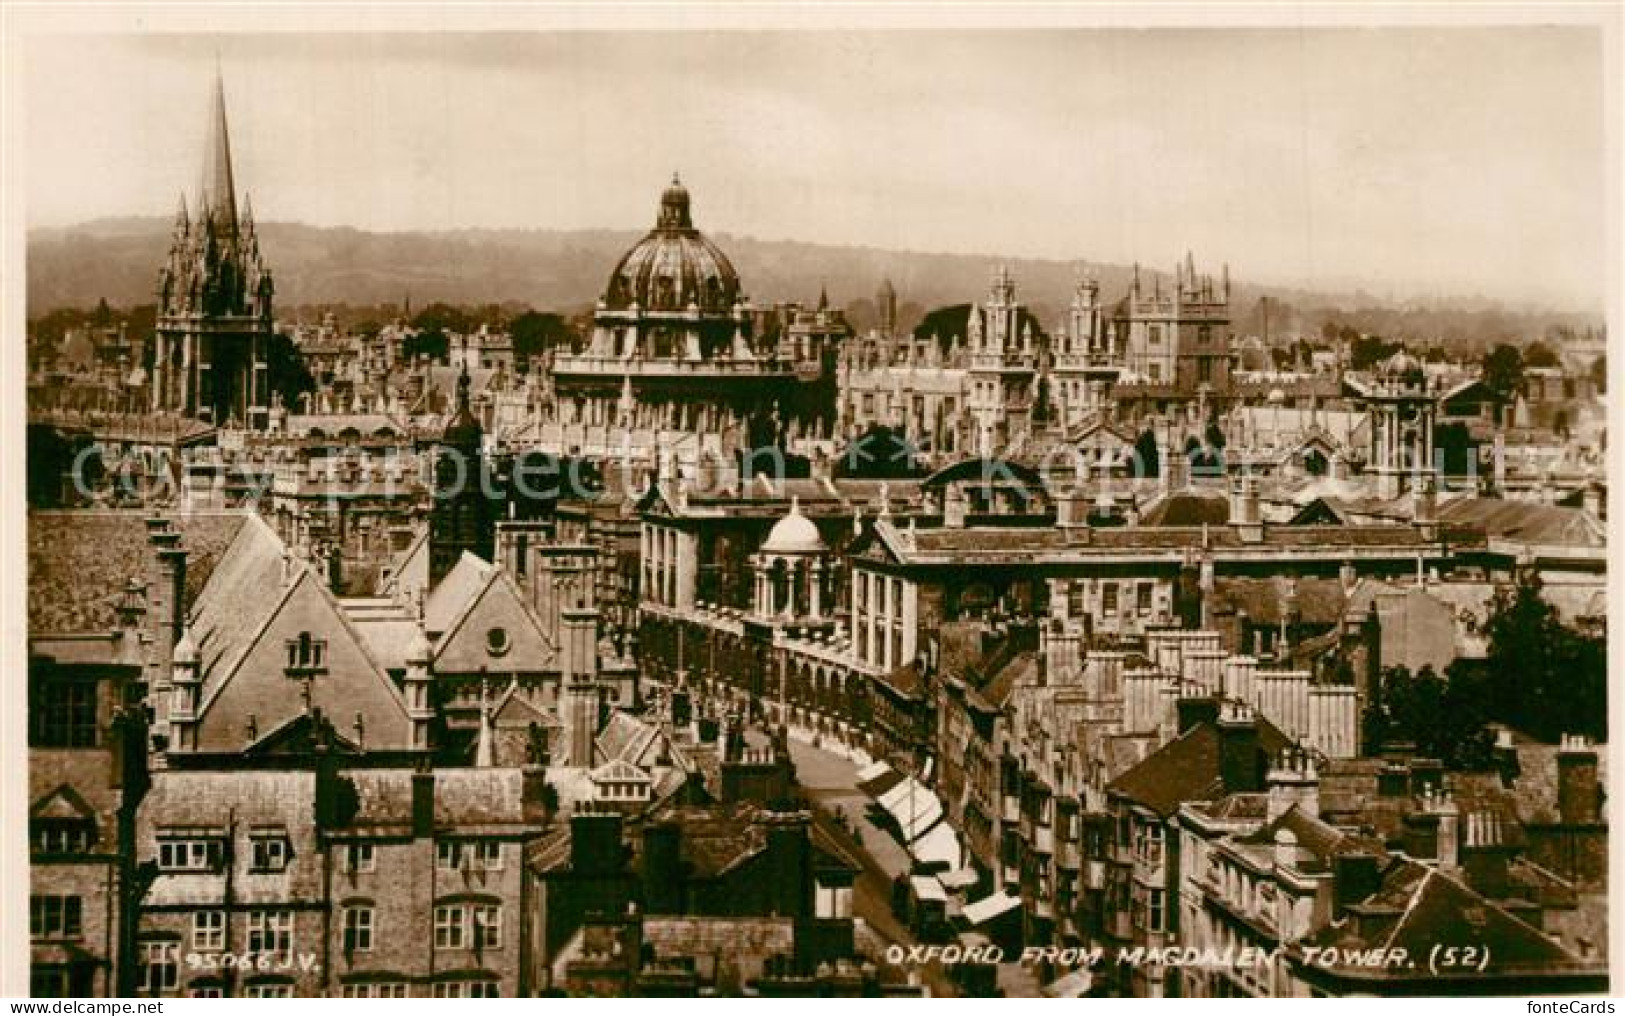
913 807
928 889
987 909
939 845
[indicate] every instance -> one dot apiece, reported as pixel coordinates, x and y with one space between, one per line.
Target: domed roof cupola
794 534
1403 369
674 207
674 269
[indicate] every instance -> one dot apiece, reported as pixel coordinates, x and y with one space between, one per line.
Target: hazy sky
1459 160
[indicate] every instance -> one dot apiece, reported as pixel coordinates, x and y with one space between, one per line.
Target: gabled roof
1418 906
512 710
1187 768
466 648
243 590
630 739
410 570
617 771
297 737
1321 841
1097 425
80 561
354 684
63 803
448 600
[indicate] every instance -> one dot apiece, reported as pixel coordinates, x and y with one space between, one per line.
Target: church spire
217 199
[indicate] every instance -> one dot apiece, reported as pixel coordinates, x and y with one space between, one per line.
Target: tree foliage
1366 351
286 371
1145 449
1445 717
534 333
1502 371
434 344
1545 678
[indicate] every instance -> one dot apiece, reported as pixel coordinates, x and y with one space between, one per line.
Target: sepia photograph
874 503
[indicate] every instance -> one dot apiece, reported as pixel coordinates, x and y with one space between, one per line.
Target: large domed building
673 358
674 267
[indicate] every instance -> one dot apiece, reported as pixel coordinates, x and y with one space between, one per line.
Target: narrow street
830 782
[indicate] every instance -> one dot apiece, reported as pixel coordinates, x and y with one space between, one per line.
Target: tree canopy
1443 716
1366 351
1502 371
1545 678
535 332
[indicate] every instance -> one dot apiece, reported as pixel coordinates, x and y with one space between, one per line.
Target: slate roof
718 838
1011 545
244 588
1349 797
628 738
1521 522
905 680
79 563
1187 768
1419 906
466 799
1018 669
1318 841
1318 601
214 800
447 601
746 942
1187 508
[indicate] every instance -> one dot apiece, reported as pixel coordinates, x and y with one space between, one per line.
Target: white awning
939 845
872 770
1073 985
914 808
985 910
928 889
959 878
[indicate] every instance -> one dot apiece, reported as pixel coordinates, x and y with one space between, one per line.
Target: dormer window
190 853
271 851
497 642
306 656
63 836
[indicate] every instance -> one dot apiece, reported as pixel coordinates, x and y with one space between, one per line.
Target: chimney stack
1238 749
423 804
167 615
1579 794
1292 780
1245 514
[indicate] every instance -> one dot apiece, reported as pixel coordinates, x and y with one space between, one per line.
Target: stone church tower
214 301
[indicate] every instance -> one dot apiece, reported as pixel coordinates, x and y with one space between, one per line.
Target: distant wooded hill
117 260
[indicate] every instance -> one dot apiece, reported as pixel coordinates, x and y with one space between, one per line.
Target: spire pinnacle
217 198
